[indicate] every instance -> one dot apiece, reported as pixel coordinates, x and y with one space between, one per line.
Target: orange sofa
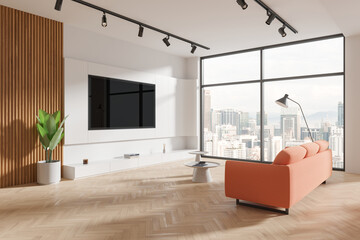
295 172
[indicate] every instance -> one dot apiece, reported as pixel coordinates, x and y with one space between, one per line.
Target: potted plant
51 132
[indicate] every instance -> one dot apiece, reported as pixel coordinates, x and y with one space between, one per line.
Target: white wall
352 100
193 72
89 53
89 46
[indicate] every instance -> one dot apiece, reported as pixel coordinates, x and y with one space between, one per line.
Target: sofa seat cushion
324 145
311 149
290 155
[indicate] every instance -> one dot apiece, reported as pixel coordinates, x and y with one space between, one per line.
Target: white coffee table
201 172
198 155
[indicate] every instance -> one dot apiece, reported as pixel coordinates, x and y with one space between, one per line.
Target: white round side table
202 171
198 155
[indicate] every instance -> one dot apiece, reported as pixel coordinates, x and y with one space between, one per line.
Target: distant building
249 140
244 120
340 122
207 109
267 155
296 143
277 132
336 141
229 117
208 147
290 124
315 133
252 126
265 119
239 152
222 145
268 131
325 130
226 132
276 145
215 119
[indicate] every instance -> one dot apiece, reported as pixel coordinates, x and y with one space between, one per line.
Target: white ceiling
221 25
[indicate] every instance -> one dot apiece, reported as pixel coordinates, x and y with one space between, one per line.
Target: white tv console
75 171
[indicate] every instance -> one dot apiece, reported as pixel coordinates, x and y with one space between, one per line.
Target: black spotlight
282 31
58 5
270 19
193 48
166 41
104 20
141 31
242 3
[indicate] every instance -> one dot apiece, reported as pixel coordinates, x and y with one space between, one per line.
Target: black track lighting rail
270 11
90 5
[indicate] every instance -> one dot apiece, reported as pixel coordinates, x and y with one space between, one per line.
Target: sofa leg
324 182
286 211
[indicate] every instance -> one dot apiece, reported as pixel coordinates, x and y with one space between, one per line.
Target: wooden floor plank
161 202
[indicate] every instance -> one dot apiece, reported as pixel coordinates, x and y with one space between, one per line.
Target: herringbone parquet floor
161 202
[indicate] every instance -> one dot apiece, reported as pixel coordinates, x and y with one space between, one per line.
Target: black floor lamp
283 102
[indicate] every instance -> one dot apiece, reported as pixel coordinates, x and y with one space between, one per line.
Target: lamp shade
283 101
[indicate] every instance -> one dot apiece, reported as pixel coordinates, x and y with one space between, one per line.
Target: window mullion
262 159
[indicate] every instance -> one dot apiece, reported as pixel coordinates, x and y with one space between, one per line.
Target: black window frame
261 81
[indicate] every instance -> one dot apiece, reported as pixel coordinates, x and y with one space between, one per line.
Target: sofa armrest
308 174
257 182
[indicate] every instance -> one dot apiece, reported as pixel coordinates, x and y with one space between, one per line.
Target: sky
314 94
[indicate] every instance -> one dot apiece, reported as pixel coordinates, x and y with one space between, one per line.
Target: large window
240 118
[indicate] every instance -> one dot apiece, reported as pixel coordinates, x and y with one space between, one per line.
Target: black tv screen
120 104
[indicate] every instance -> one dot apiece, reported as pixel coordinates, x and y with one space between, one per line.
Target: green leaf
44 141
62 136
43 116
51 127
56 139
42 131
62 123
50 133
57 116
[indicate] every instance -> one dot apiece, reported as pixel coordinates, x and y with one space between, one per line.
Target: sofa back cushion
311 149
290 155
324 145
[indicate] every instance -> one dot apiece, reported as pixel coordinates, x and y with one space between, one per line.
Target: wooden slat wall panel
31 72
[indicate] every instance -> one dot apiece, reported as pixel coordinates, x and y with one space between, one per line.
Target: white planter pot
48 173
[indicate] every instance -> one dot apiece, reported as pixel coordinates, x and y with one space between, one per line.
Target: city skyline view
231 112
233 133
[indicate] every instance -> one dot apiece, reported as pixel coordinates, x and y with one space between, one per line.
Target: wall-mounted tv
120 104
